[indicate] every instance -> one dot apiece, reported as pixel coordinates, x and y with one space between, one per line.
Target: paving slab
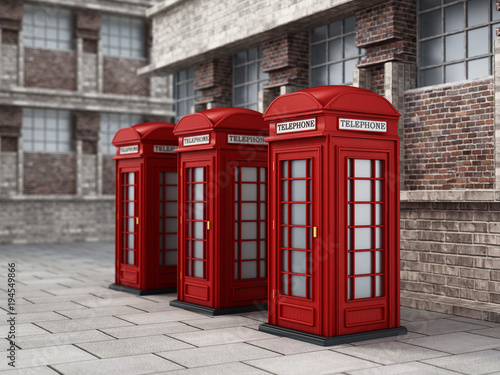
123 300
484 362
440 326
133 346
314 363
42 370
98 311
387 353
410 368
221 322
150 306
71 325
457 343
47 316
286 346
39 341
219 354
225 369
491 332
148 330
28 329
133 365
221 336
160 317
49 306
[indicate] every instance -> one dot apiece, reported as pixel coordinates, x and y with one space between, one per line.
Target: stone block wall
449 137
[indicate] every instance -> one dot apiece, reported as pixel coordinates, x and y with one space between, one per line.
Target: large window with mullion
455 40
248 78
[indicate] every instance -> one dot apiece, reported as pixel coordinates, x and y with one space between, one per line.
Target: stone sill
478 195
58 198
450 85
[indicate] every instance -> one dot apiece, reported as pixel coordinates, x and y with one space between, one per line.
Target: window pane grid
334 54
129 209
196 222
296 228
168 218
46 130
110 124
455 41
47 27
250 223
122 36
184 93
248 78
365 228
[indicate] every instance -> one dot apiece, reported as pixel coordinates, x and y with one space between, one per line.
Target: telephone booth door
196 250
128 235
364 242
297 206
166 180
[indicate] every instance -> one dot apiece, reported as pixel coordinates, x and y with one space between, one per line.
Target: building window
334 54
110 124
456 40
46 130
48 27
184 93
248 78
122 36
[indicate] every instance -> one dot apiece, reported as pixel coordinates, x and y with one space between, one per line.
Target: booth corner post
223 211
146 209
334 216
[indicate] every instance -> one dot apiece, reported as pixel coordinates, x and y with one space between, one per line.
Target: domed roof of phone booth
330 98
153 131
228 118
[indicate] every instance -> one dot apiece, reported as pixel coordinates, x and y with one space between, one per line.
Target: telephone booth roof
224 118
147 131
320 99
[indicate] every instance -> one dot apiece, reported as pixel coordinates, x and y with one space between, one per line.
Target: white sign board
246 139
196 140
164 149
296 126
129 150
363 125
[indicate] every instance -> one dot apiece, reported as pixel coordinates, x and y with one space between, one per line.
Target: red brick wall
87 125
120 76
11 15
50 69
11 119
449 137
49 173
108 174
214 79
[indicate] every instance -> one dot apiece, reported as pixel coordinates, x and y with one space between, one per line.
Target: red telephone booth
334 216
146 209
223 211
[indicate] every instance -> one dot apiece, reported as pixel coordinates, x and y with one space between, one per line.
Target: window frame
123 50
106 136
33 143
178 83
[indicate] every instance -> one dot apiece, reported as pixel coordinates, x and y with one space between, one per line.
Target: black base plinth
213 312
141 292
330 341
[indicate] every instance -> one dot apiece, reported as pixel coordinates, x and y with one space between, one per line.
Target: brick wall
87 126
49 173
449 137
11 14
450 258
50 69
120 76
11 119
214 80
108 175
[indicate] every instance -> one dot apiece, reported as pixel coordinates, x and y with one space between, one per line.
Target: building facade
434 60
68 82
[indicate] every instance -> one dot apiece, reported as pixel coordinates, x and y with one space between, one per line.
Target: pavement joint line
440 367
46 330
86 351
169 360
363 359
255 367
107 334
53 369
273 351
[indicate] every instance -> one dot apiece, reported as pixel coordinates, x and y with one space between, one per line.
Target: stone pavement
69 322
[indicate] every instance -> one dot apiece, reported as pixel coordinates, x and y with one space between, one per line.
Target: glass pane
477 12
431 77
363 287
298 261
349 239
263 268
263 249
236 230
363 238
253 93
379 262
378 286
263 230
298 237
350 49
298 190
378 168
263 211
263 174
170 258
248 192
240 58
130 241
284 212
477 42
478 68
318 54
298 286
334 29
454 72
249 211
198 192
284 261
198 229
349 67
284 186
198 174
239 75
248 250
335 49
198 249
171 193
284 238
263 192
198 268
379 192
161 258
430 24
349 288
363 190
248 174
349 263
284 283
363 214
378 214
318 34
130 209
350 25
319 76
248 231
431 52
349 214
171 241
349 190
198 211
362 262
249 270
131 178
171 225
454 47
130 257
298 214
379 238
335 74
454 17
362 168
252 72
284 169
298 168
131 225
